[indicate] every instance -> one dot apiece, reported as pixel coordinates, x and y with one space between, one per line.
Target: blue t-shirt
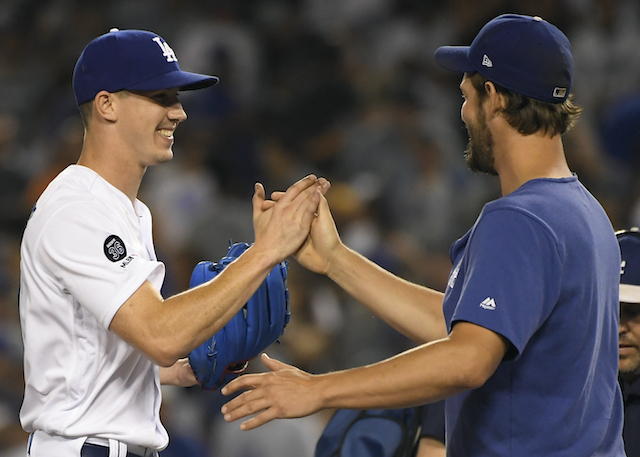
541 268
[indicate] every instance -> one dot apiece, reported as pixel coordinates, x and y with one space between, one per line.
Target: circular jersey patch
114 248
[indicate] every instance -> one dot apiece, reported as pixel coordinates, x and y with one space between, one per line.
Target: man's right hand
319 248
282 226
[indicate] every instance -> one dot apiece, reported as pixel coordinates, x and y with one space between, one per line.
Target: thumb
259 193
273 364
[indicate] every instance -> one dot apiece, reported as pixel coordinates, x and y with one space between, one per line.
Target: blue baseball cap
629 241
131 60
524 54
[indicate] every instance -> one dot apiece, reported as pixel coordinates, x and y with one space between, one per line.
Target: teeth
166 133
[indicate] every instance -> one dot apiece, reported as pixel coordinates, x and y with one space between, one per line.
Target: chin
166 157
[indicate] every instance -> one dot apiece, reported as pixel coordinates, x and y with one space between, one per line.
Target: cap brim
454 58
184 80
629 293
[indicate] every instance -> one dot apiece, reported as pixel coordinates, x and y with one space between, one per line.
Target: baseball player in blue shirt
523 343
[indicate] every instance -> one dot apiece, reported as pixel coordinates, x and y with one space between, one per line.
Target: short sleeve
98 259
512 276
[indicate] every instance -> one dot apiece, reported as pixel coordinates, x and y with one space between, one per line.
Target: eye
166 99
629 311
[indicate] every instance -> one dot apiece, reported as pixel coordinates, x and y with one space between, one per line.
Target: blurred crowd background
345 89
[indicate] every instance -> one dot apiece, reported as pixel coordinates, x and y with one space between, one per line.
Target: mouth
166 133
625 349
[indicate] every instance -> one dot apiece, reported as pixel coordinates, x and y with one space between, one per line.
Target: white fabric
80 378
629 293
44 445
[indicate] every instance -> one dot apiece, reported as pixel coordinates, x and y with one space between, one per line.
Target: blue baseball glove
257 325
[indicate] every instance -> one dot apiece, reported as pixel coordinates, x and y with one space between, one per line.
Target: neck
114 165
521 158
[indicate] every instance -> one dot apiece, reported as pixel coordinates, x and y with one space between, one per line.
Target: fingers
277 195
324 185
300 186
258 196
267 204
233 411
245 382
273 364
281 225
260 419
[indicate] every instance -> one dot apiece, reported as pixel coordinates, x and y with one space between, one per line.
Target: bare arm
431 447
462 361
179 374
413 310
166 330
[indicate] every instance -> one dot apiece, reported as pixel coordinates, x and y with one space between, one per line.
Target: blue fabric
250 331
377 432
631 433
540 267
524 54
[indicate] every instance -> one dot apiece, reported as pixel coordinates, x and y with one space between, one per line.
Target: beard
479 152
629 363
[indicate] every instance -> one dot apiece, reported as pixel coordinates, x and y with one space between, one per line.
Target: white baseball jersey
86 249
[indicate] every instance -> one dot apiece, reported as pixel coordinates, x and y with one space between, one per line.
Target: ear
103 103
494 99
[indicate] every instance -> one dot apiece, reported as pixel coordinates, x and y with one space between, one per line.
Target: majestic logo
114 248
486 61
488 303
166 50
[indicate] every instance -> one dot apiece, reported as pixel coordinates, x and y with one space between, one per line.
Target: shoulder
73 201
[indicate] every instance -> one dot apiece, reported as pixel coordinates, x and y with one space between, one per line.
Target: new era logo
486 61
488 303
559 92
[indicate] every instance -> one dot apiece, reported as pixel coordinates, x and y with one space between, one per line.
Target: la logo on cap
166 50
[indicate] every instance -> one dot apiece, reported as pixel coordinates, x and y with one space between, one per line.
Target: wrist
261 258
335 265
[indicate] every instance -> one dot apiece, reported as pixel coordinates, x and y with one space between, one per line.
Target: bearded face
479 153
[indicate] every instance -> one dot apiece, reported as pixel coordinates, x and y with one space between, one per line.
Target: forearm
413 310
196 314
462 361
166 330
425 374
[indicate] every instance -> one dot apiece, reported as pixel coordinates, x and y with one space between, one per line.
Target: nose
623 326
177 113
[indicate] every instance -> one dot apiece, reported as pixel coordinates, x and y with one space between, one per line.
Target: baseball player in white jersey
98 337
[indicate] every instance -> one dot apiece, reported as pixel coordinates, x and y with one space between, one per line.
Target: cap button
114 30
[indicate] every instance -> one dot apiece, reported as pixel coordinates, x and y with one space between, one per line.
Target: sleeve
97 258
512 279
433 421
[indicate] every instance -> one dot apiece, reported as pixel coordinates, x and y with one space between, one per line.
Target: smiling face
147 122
629 341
